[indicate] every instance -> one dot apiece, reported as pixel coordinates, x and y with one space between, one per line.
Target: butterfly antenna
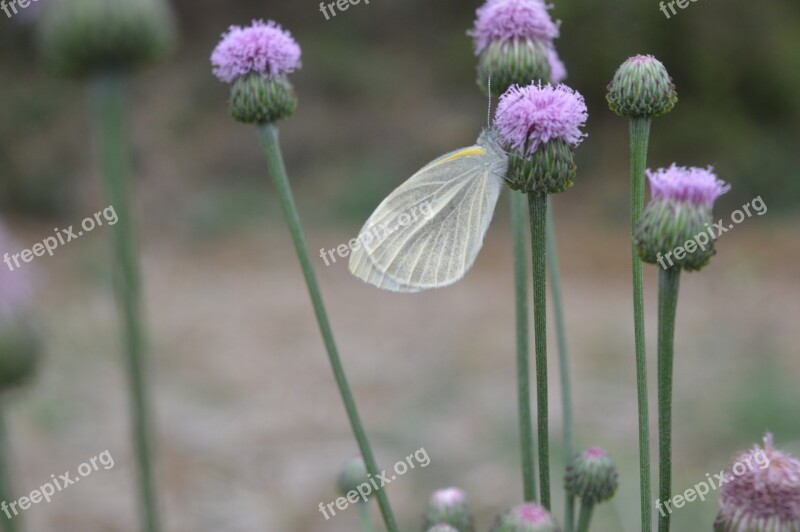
489 113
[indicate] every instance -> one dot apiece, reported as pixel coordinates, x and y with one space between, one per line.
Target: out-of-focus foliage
387 85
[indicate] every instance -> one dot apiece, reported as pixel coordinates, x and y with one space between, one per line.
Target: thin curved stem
538 213
668 287
269 140
527 449
639 138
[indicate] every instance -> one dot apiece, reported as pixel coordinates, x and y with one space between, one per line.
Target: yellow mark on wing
466 152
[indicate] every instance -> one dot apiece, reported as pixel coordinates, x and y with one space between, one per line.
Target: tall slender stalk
111 133
523 367
10 521
668 287
538 213
585 517
268 134
563 358
639 138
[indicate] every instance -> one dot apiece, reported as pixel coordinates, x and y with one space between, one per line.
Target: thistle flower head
529 116
763 493
256 61
262 48
641 87
527 517
694 185
354 473
506 20
592 476
449 506
673 229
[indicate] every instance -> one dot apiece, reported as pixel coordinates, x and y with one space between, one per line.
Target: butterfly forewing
429 231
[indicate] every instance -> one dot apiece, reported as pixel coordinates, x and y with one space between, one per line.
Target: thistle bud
441 527
592 477
540 127
674 229
354 473
83 37
527 517
256 61
19 354
449 507
514 44
641 88
763 493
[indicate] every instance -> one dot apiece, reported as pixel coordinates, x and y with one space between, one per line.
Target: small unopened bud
19 354
527 517
592 477
354 473
762 493
641 88
83 37
449 506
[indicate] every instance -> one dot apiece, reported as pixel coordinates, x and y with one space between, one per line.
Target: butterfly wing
447 207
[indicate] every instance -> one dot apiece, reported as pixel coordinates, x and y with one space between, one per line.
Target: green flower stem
111 131
538 212
269 141
668 285
563 358
10 524
364 517
585 517
639 138
523 368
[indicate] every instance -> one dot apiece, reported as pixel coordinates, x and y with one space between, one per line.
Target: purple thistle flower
448 496
15 288
263 47
763 493
558 72
695 185
504 20
529 116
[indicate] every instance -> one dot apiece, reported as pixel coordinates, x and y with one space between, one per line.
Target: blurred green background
251 429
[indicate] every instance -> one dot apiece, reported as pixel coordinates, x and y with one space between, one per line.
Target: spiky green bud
548 170
83 37
592 477
641 88
527 517
449 506
259 99
513 62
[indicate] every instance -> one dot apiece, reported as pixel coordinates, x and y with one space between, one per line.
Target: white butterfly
457 193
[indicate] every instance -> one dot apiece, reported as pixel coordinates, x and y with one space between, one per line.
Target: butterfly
458 193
